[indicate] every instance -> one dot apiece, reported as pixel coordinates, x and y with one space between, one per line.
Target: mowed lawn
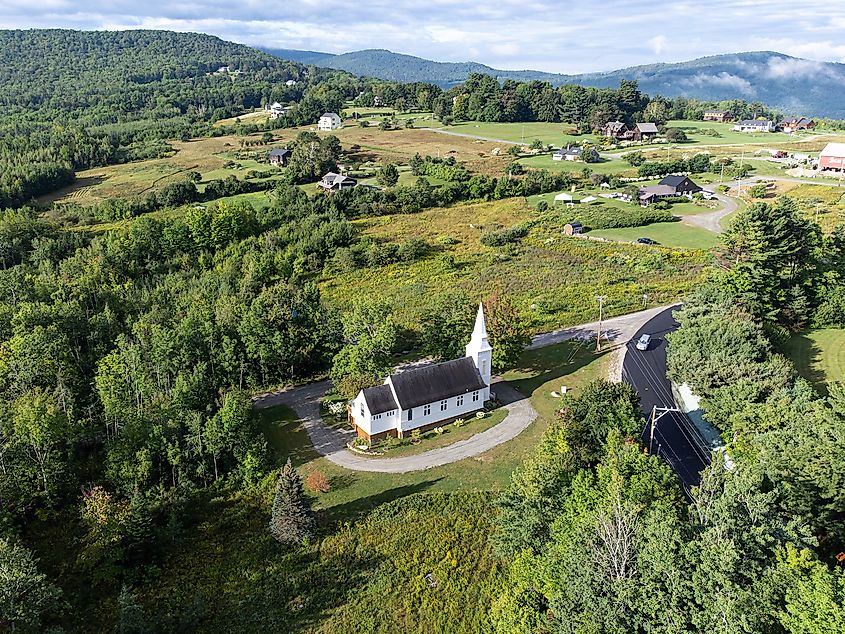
554 133
819 355
614 166
727 135
670 234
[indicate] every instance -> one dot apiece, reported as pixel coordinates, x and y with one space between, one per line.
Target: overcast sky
567 36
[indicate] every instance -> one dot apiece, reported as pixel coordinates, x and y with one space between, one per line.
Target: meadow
550 277
670 234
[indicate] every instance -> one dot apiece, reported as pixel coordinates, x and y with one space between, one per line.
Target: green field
727 135
819 355
550 133
613 166
670 234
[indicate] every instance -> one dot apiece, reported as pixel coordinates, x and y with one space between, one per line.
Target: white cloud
723 79
510 34
658 44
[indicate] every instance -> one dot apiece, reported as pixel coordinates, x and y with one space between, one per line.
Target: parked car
646 241
706 195
642 343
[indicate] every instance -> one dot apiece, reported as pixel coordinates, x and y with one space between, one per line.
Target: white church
425 397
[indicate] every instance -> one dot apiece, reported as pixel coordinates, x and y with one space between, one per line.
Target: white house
329 121
277 110
755 125
428 396
290 82
567 154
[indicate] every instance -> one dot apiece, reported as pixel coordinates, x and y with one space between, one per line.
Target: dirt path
331 443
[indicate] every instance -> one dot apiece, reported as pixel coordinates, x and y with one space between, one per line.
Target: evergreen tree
139 531
130 613
291 520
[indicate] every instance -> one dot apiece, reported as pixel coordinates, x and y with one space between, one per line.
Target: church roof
432 383
379 399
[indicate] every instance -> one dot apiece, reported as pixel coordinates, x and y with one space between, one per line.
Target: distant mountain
791 84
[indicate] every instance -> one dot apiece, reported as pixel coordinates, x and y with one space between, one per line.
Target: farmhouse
755 125
332 181
681 185
832 157
277 110
568 154
615 130
653 193
795 124
717 115
644 131
423 398
279 156
329 121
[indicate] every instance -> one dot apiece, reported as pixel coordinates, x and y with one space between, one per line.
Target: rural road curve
331 443
712 221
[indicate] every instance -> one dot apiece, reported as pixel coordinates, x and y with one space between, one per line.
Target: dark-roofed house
682 185
332 181
427 396
644 131
797 123
615 130
717 115
279 156
567 154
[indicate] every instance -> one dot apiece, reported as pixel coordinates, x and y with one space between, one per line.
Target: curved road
713 221
674 438
331 443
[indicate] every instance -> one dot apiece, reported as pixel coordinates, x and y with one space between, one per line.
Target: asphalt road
674 438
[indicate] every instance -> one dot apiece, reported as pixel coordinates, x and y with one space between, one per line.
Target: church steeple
479 348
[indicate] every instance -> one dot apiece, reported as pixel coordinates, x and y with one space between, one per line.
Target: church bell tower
479 348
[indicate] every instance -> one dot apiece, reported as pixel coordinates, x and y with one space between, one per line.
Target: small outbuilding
333 182
573 228
564 197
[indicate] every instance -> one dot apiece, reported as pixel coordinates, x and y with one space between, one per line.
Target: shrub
439 431
317 482
505 236
542 205
459 422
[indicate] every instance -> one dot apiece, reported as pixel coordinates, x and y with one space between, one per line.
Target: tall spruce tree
291 520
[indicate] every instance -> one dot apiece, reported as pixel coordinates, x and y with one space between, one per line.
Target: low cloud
658 44
723 80
784 68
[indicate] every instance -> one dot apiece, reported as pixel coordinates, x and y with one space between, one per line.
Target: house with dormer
429 396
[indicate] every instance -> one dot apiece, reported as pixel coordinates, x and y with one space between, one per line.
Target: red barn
832 157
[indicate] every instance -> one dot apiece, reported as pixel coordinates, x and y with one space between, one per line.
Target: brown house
615 130
795 124
722 116
644 132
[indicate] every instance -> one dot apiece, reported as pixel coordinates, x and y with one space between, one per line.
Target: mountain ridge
794 85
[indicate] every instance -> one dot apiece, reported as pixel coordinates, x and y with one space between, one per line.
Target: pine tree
139 531
291 520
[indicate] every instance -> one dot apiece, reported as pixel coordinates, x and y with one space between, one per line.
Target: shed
573 228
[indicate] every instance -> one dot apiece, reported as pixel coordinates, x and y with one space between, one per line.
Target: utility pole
600 299
653 423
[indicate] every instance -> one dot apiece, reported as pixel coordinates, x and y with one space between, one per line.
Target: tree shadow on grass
286 436
355 508
540 366
805 354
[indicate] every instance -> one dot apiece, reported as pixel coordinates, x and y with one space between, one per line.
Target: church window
459 401
475 396
426 410
443 405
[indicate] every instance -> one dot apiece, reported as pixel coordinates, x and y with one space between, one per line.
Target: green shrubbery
599 216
